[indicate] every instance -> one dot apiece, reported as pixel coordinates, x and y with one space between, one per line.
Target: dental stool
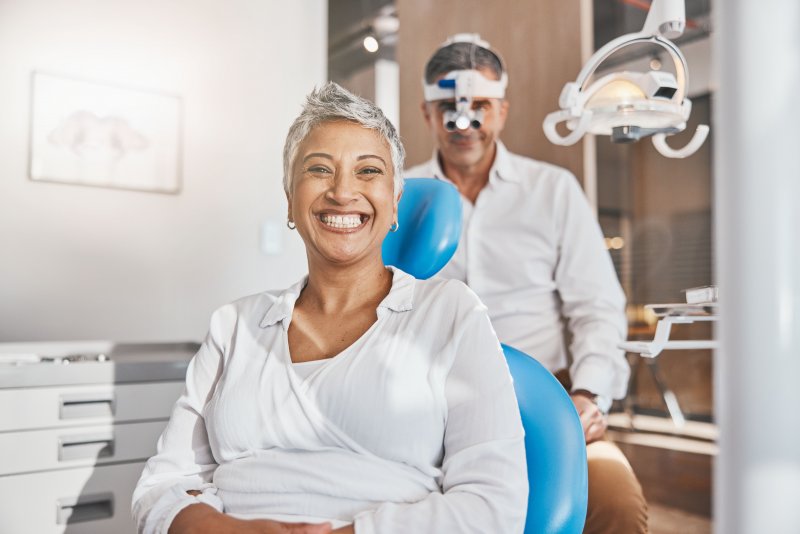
430 225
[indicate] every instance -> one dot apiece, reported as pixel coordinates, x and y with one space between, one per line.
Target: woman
359 399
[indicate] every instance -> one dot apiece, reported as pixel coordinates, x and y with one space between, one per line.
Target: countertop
125 363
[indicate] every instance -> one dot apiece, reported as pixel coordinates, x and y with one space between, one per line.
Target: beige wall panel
540 41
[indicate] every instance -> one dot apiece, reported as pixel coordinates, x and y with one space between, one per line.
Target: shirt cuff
170 504
364 523
593 375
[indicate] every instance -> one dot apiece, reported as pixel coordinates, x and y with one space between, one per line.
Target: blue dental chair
430 225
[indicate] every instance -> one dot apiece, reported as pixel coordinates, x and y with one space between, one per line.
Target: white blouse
413 428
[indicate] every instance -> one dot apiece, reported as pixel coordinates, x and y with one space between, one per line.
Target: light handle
560 116
699 137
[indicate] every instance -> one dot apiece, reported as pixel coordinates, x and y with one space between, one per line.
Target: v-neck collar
399 299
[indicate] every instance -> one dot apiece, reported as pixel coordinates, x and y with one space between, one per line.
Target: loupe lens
462 122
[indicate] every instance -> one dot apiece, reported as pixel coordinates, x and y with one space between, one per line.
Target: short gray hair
462 56
332 102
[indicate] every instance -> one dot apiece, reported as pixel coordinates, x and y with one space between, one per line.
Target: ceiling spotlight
371 44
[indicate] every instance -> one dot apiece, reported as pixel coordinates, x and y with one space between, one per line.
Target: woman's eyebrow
317 155
368 156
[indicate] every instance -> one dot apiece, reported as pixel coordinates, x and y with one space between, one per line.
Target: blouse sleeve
484 476
183 460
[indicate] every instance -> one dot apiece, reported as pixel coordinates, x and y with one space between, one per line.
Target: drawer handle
85 508
79 405
85 446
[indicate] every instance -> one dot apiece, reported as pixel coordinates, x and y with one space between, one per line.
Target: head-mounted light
631 105
463 86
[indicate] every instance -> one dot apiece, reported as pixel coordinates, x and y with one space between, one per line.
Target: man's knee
616 501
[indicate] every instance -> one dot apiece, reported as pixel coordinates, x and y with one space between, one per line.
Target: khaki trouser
616 501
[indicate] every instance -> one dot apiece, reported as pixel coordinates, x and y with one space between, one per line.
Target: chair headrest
429 215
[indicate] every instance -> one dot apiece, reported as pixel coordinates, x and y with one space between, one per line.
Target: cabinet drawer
57 448
34 408
86 500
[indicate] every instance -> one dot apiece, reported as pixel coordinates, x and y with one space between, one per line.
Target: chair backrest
554 448
430 225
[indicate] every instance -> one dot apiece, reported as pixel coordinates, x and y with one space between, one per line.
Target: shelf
673 314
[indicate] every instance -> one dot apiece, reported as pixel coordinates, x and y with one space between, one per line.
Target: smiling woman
342 195
360 399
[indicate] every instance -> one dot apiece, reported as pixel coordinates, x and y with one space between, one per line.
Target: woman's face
342 196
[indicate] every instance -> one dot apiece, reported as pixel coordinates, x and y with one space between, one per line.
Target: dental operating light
629 106
463 86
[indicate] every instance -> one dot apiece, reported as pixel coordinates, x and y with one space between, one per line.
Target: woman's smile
342 223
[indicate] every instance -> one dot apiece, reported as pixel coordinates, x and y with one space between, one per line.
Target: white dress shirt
413 428
533 252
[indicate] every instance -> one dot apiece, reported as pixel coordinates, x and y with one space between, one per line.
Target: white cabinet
45 407
70 455
85 500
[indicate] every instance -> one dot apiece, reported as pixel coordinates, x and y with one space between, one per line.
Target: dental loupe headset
630 106
463 86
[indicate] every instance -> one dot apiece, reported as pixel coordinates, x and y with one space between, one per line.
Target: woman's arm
484 482
184 460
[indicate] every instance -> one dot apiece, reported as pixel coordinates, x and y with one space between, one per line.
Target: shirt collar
501 166
399 299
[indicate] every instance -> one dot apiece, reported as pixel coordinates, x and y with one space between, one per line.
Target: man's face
467 147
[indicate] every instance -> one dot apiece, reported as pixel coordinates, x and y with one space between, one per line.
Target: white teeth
341 221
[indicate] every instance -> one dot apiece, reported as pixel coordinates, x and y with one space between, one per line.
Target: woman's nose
343 190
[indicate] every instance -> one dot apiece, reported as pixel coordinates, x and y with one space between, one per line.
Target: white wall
387 89
757 181
94 263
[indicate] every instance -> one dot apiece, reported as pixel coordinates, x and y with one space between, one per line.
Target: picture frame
99 134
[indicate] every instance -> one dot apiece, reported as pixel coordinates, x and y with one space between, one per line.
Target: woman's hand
266 526
349 529
201 518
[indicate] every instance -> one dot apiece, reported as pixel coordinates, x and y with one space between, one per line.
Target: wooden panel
540 42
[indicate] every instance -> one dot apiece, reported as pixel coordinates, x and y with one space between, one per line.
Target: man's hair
462 56
330 103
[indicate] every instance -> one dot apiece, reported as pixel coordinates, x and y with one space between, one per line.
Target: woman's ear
397 203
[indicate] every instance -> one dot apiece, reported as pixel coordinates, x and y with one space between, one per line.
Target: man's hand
592 419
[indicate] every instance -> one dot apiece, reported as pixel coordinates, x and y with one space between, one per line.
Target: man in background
532 250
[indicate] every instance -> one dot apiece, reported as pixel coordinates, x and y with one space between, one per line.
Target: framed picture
98 134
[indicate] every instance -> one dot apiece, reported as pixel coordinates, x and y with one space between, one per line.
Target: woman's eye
370 171
318 169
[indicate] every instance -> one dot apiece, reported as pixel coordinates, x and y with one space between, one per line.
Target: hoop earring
394 227
290 224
